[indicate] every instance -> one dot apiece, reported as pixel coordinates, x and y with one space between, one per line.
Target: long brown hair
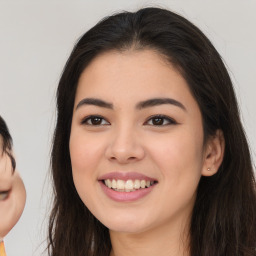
224 219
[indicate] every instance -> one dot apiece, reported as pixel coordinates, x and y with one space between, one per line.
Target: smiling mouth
128 185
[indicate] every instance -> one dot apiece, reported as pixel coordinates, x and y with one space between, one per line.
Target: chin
132 229
125 224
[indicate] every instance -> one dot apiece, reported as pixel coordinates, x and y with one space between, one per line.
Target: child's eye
3 195
95 121
160 120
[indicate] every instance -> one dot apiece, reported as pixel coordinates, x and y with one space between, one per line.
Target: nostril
132 158
123 158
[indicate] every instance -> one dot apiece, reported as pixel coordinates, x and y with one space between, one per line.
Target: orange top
2 250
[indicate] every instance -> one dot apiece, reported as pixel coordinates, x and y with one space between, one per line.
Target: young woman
12 190
149 155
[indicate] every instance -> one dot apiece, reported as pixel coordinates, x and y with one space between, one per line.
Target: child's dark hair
7 141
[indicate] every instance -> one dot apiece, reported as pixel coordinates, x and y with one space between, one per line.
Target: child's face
12 194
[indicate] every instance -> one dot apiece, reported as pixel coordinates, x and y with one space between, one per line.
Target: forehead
134 75
127 67
131 60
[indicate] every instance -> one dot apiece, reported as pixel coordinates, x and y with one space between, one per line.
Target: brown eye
95 121
160 120
157 121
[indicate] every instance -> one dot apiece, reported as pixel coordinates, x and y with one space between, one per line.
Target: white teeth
109 183
114 185
136 184
120 184
129 185
143 184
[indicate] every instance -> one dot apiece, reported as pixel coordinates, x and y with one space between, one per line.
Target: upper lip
125 176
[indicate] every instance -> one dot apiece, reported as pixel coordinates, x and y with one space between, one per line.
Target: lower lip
126 196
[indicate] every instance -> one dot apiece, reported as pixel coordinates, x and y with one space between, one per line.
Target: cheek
86 154
179 158
182 149
7 216
85 151
12 208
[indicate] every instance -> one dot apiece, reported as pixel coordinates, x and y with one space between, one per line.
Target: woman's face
136 142
12 194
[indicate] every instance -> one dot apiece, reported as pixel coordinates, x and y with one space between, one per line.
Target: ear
214 153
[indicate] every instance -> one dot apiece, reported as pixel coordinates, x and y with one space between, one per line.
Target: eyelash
4 195
165 120
89 118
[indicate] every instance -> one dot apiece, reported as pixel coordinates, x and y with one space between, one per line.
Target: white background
36 38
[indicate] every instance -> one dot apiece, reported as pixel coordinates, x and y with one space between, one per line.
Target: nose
125 147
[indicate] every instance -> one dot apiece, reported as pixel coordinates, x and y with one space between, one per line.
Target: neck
160 241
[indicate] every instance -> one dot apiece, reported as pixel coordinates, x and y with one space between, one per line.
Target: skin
127 140
11 207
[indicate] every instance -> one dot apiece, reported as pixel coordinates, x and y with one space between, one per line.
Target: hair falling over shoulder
224 216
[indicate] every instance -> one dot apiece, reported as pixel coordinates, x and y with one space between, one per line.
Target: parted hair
223 218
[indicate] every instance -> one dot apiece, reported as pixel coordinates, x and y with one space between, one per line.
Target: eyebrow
95 102
159 101
141 105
